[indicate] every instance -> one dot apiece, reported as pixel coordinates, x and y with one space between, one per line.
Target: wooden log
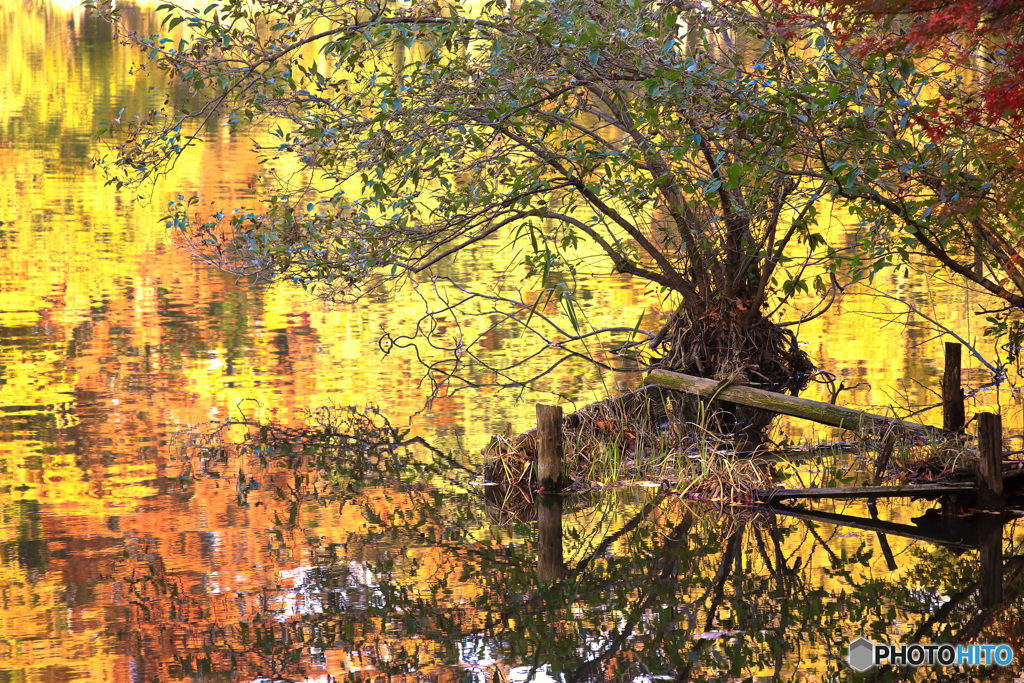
953 415
990 465
549 447
908 491
817 411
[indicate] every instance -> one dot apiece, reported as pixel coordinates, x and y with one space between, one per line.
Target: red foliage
986 36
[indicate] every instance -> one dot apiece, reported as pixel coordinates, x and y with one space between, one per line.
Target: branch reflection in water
405 577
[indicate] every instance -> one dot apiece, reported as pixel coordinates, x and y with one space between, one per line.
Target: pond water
201 480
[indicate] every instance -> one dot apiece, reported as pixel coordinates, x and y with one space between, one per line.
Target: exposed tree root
759 353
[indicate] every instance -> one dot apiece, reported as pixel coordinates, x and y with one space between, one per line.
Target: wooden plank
817 411
909 490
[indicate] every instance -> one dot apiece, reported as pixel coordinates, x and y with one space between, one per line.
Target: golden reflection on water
112 342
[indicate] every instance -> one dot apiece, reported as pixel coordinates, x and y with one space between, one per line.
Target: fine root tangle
760 353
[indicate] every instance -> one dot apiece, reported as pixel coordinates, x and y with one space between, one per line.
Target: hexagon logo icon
862 654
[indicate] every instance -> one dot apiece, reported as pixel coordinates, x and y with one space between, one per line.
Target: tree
944 174
986 38
685 146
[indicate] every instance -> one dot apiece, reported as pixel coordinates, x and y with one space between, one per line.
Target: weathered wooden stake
550 562
990 465
549 447
953 415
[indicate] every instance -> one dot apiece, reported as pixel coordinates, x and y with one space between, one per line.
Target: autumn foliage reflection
377 560
352 467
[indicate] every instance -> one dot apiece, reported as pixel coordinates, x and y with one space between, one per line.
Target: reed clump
927 460
629 440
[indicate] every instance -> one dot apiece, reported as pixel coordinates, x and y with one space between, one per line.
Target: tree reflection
424 587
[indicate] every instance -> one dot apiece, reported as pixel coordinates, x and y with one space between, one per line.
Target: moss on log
817 411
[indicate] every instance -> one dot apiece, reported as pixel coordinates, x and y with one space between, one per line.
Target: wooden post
550 562
881 465
953 416
990 465
549 447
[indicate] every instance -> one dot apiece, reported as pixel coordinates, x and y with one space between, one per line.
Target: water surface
141 539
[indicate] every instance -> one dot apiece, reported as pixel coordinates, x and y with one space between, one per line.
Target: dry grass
620 442
623 442
918 459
